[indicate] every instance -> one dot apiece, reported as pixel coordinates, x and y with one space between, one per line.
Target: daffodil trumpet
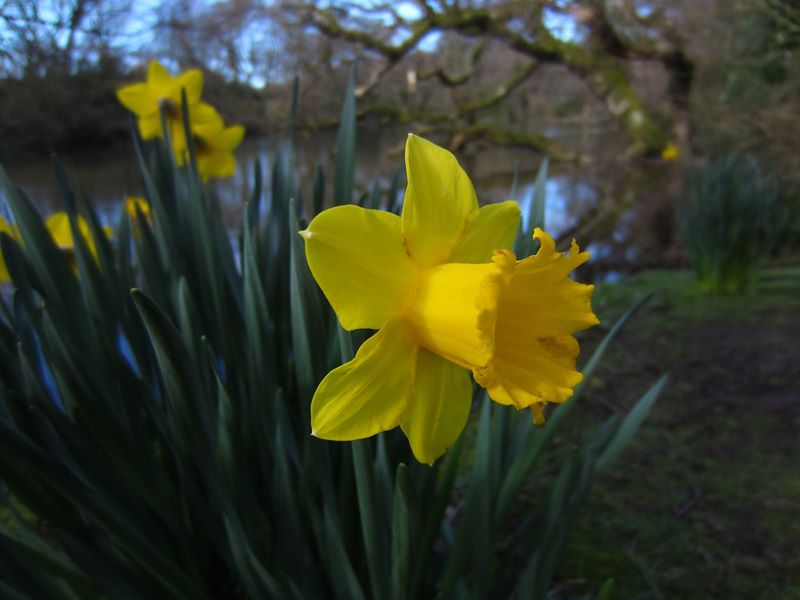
449 299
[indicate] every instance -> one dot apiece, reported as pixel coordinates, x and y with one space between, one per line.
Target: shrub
729 221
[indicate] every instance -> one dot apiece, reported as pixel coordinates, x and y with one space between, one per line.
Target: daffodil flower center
169 107
454 309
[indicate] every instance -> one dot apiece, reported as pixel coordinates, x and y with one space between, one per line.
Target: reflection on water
572 199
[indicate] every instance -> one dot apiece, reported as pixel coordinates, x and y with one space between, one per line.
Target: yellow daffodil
134 205
11 230
670 152
215 151
161 90
58 226
448 298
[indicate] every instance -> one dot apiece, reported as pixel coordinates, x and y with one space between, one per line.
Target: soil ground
705 503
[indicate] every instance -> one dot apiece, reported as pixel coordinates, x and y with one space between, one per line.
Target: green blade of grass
631 424
346 146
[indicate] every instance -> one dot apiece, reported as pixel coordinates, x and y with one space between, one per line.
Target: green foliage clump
729 221
160 437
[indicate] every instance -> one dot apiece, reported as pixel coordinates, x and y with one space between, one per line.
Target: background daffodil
161 90
670 152
448 298
61 232
135 205
215 151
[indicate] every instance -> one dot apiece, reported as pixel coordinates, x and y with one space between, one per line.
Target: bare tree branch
600 61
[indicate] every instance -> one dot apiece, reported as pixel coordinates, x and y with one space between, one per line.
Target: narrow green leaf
445 476
539 203
514 181
306 314
190 430
346 146
630 425
606 591
374 538
295 104
319 190
395 199
403 517
343 576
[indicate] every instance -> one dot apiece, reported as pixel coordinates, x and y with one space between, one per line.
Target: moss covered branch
600 60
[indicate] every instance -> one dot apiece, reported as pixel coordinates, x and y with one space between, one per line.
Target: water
573 193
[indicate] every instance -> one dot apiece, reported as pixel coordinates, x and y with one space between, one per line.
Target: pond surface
573 193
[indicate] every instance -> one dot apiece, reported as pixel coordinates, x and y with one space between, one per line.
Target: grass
705 503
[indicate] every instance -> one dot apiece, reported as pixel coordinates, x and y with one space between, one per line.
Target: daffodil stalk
448 298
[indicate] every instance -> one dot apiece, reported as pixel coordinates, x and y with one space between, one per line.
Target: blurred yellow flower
161 90
58 226
670 152
137 203
215 152
448 298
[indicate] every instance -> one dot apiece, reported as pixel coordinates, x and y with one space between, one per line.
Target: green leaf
346 146
630 425
606 590
403 519
189 430
341 570
319 190
514 181
295 104
536 215
374 535
306 315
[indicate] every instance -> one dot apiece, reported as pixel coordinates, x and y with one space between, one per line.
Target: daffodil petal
192 82
216 164
61 231
58 226
369 394
229 138
137 99
555 304
495 227
358 259
530 372
206 117
440 407
440 203
150 127
160 81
